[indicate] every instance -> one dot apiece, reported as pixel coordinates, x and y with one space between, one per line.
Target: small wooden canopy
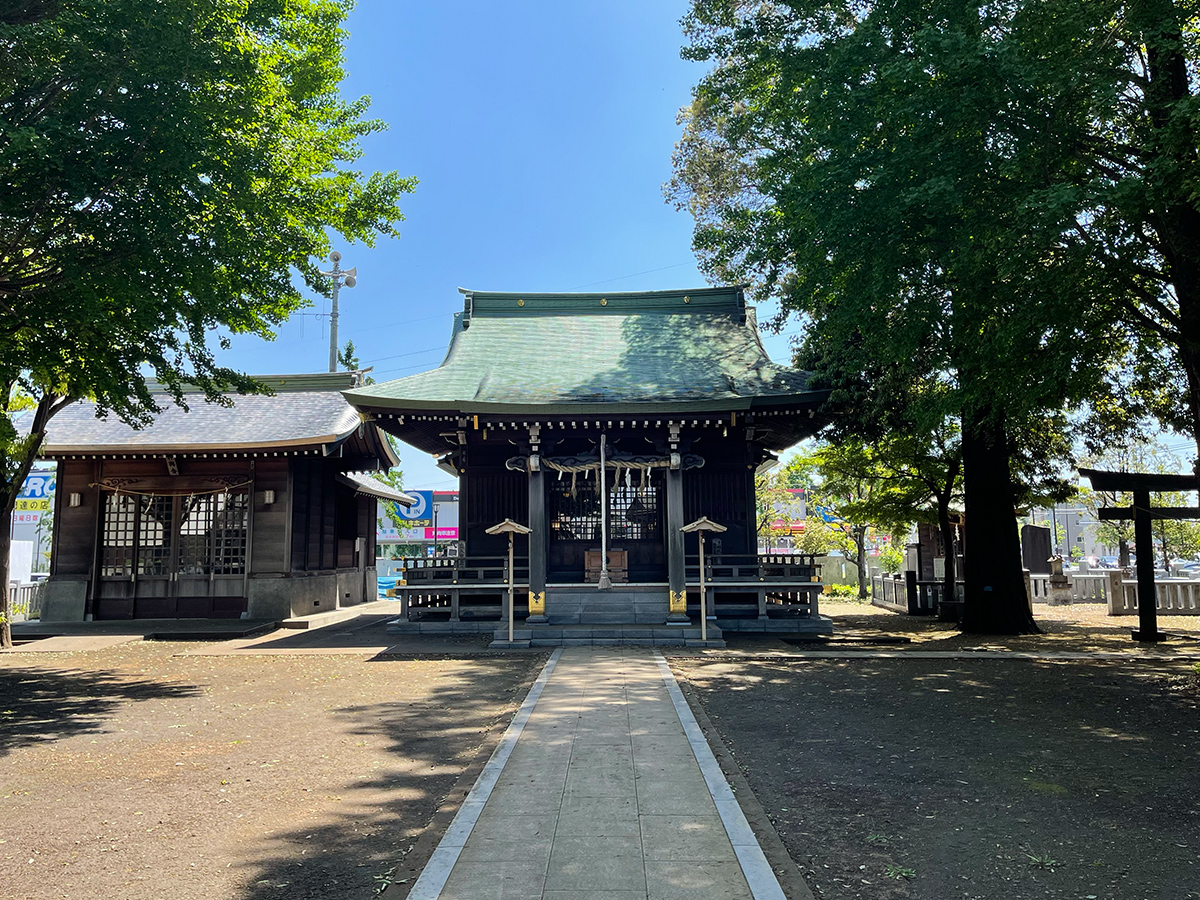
704 523
508 526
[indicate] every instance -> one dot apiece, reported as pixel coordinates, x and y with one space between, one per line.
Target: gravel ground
134 772
956 779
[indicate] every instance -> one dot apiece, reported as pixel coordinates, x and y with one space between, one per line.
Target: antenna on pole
339 277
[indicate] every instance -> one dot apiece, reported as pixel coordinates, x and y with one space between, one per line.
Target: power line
399 355
377 325
401 369
633 275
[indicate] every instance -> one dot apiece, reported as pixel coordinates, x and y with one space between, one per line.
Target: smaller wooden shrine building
605 422
263 510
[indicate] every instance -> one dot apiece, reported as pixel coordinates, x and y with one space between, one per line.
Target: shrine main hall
605 424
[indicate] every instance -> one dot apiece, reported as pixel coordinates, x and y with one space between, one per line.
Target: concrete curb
756 868
787 873
425 844
334 616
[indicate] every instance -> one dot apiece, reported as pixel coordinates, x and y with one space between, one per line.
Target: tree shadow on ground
38 705
363 850
1077 627
1018 778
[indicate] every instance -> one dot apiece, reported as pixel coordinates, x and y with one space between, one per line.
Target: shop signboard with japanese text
420 514
35 498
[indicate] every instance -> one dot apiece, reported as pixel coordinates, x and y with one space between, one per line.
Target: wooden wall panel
269 554
75 528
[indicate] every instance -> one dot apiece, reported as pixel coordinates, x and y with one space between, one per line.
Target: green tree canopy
172 172
927 182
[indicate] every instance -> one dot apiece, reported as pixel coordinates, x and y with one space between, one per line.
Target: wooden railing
465 587
799 568
464 571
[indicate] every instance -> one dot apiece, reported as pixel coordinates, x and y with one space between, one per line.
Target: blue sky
541 134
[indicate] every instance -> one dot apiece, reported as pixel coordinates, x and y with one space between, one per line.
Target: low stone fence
1092 587
904 593
1174 597
25 600
890 592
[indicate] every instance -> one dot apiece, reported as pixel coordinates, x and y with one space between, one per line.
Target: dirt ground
1004 779
132 772
145 770
1076 628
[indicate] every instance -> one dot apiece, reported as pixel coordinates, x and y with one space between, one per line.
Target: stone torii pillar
1140 485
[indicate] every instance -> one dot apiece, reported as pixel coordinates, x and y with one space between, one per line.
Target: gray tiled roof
664 349
284 420
364 483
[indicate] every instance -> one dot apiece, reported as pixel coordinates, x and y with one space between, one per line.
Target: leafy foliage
169 170
891 560
979 210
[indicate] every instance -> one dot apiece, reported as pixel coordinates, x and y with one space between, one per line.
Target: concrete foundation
297 595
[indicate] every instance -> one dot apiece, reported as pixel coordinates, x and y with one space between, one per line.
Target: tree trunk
8 500
950 576
5 598
860 544
994 596
1123 553
19 466
1177 222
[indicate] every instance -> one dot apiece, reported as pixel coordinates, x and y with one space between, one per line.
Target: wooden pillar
676 571
537 547
1147 595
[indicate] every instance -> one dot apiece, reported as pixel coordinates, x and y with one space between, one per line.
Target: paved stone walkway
603 788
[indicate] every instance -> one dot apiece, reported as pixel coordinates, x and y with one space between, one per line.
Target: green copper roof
562 353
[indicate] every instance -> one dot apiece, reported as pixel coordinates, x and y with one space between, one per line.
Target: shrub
891 560
842 591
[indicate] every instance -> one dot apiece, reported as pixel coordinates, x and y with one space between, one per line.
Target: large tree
172 172
912 477
925 180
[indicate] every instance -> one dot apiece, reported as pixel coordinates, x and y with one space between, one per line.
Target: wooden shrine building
263 510
677 394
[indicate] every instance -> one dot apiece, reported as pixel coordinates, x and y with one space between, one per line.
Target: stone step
608 635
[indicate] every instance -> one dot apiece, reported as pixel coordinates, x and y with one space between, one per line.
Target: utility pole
339 277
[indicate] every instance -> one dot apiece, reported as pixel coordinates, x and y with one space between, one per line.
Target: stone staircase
645 606
627 616
607 635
